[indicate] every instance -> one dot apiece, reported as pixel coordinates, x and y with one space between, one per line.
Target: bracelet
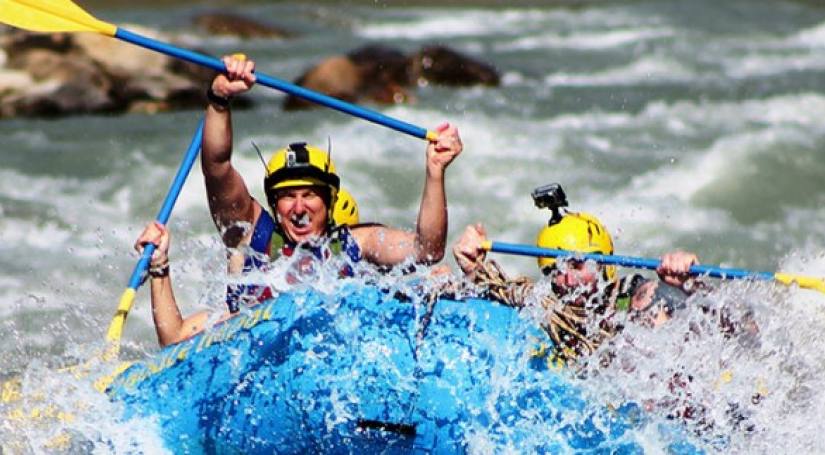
160 270
220 101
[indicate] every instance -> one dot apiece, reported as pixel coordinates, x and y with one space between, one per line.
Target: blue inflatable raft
362 371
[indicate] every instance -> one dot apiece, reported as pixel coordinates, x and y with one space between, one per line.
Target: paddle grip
277 84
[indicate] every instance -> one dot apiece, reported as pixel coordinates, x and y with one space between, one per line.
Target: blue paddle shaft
169 202
626 261
277 84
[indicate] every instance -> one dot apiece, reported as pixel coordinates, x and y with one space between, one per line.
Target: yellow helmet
300 164
580 232
346 209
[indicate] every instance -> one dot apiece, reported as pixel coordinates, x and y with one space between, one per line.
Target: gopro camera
551 197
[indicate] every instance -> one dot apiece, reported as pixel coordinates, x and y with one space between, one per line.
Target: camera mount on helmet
552 197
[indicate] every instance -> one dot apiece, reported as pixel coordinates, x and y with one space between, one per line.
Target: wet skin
301 212
576 276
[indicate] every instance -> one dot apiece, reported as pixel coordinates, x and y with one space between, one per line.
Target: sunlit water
681 125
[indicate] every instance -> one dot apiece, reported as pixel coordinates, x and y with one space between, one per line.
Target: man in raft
581 289
170 326
301 186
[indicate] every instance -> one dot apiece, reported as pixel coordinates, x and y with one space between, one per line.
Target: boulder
384 75
144 76
61 83
382 62
15 41
228 24
62 74
443 66
122 59
10 80
336 76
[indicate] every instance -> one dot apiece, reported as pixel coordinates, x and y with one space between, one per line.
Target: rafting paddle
805 282
127 299
65 16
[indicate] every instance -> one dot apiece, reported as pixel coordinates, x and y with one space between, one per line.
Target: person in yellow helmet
346 209
303 192
580 286
302 187
589 304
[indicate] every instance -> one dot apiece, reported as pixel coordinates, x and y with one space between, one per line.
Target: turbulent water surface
694 125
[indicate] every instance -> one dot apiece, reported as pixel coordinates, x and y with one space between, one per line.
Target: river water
693 125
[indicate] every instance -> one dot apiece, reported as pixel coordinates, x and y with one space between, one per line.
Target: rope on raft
565 322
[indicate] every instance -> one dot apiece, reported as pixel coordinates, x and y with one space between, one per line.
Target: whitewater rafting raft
365 371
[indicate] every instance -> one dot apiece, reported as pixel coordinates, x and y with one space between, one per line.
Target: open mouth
300 221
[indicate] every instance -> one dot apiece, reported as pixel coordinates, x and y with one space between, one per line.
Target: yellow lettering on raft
206 340
16 414
59 442
135 378
11 391
254 320
153 367
220 334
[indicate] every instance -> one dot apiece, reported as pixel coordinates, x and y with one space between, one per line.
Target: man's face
301 212
576 277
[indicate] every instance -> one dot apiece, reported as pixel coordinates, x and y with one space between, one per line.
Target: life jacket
665 297
270 243
627 287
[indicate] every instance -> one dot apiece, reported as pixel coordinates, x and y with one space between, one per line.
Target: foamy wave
90 428
62 220
804 109
813 37
31 138
645 71
691 117
426 26
45 236
715 165
595 40
429 27
745 127
771 65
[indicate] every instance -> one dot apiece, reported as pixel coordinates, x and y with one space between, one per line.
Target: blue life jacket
269 241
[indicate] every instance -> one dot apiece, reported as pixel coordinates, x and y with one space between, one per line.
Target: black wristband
219 101
161 271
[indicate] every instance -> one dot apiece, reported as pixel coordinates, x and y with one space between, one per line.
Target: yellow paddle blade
805 282
116 326
103 383
51 16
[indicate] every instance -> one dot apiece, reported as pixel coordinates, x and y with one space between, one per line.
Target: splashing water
724 373
737 367
680 125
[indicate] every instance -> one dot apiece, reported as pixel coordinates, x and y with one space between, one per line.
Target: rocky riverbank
59 74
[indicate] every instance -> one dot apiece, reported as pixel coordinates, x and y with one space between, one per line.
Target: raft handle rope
400 428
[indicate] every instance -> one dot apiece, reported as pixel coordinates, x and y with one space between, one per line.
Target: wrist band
219 101
159 271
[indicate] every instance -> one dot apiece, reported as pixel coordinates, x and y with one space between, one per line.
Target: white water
679 125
